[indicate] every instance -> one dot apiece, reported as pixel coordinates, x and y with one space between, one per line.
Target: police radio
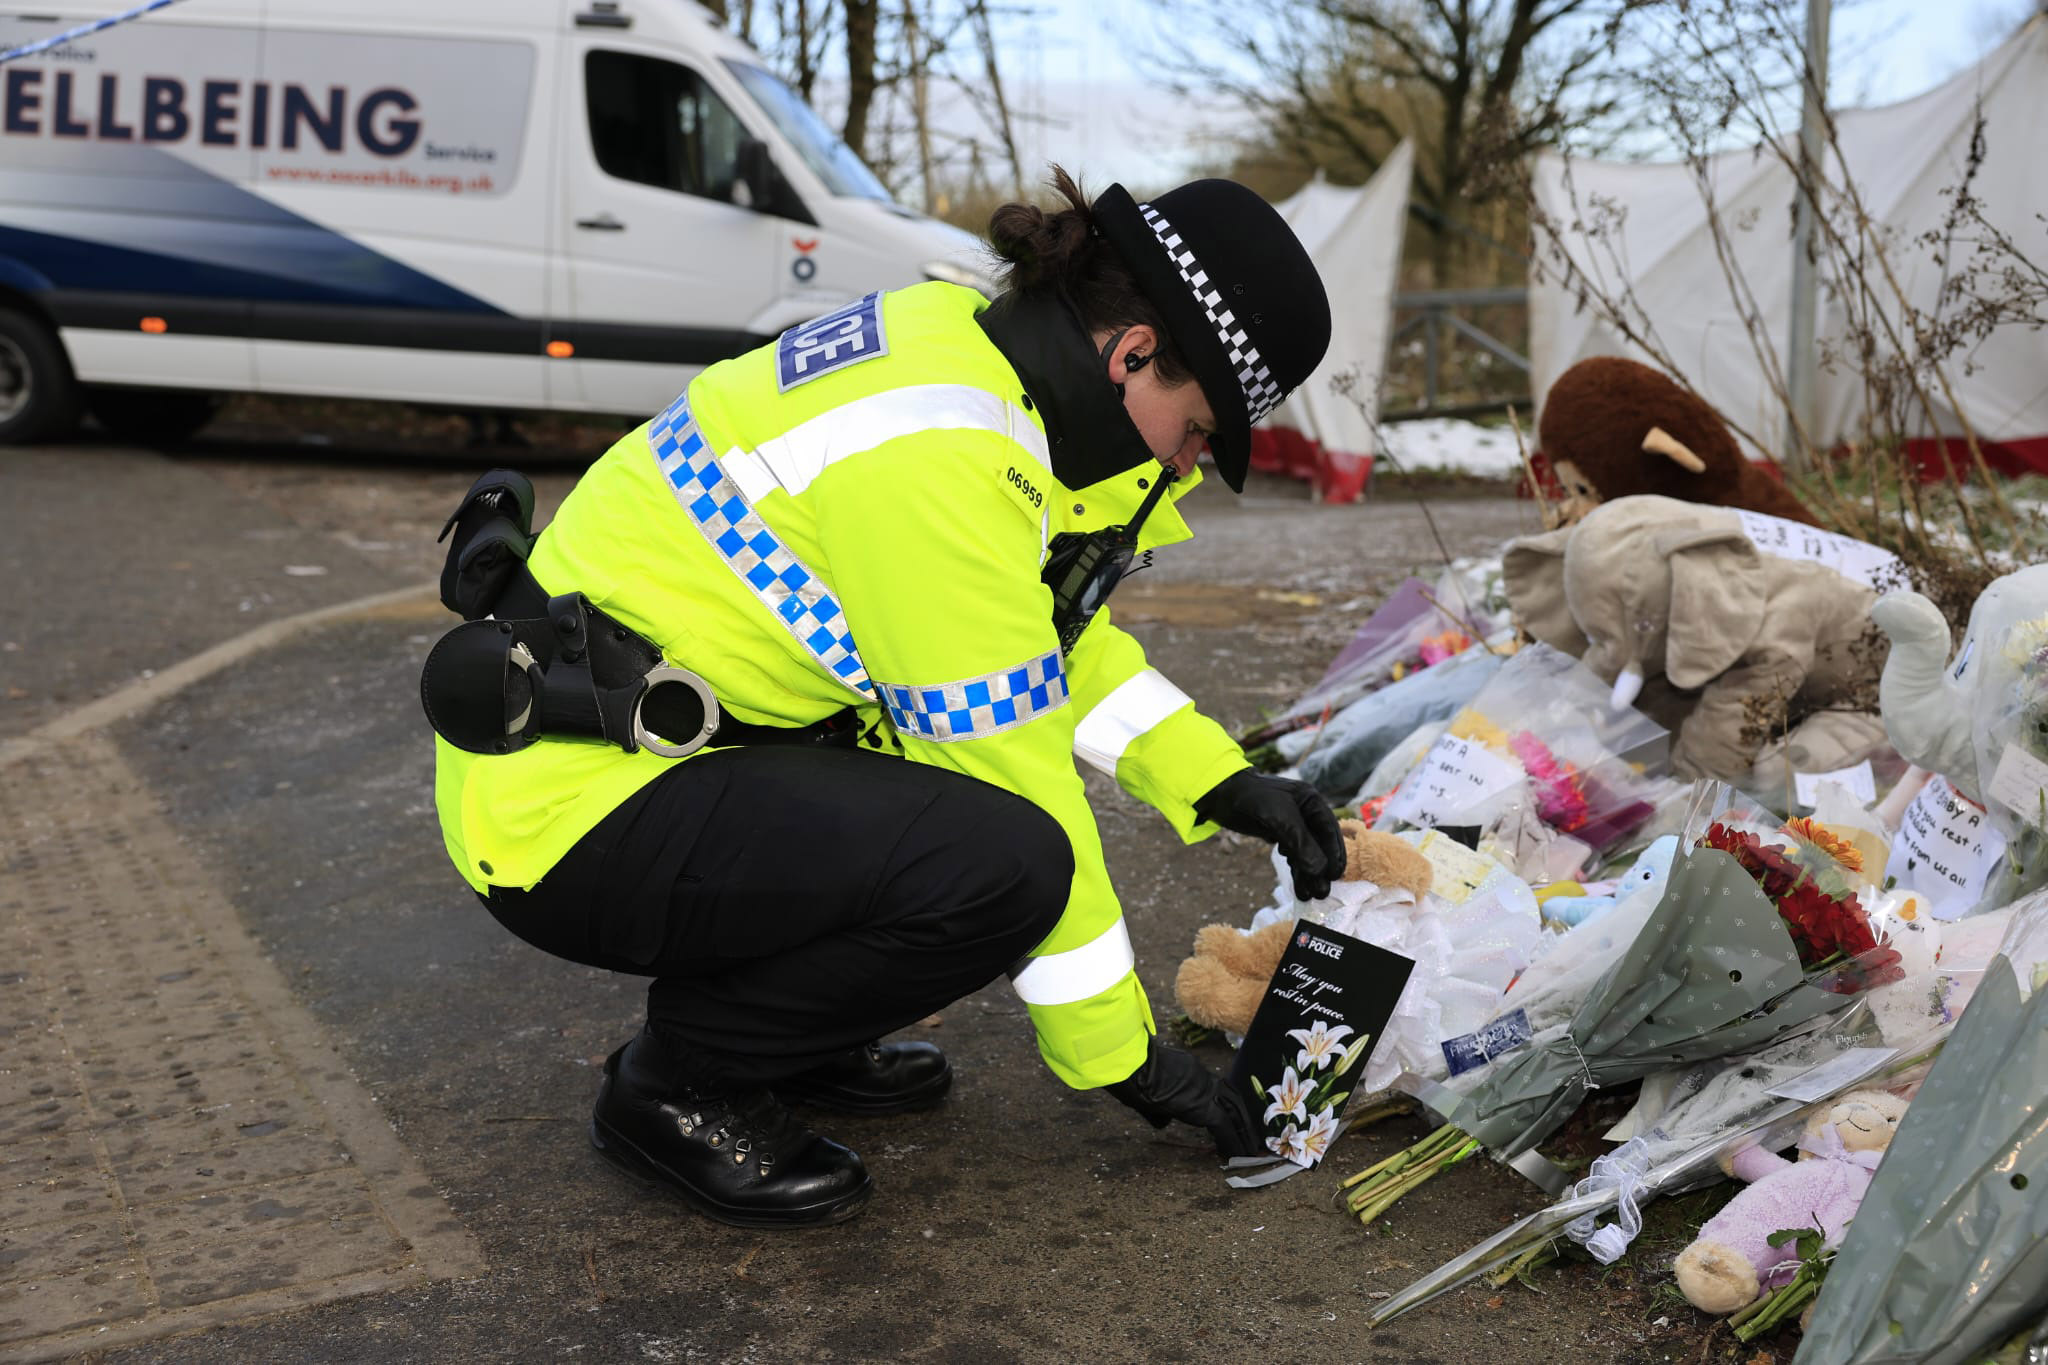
1083 567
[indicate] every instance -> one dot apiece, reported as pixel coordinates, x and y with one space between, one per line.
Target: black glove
1173 1085
1290 814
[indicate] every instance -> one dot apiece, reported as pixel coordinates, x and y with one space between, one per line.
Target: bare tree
861 16
1338 83
927 106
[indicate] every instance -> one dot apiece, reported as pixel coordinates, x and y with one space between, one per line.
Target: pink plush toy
1732 1264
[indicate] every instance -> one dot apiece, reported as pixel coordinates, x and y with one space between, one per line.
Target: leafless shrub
1732 80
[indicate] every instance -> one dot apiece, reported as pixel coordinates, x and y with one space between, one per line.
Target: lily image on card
1330 999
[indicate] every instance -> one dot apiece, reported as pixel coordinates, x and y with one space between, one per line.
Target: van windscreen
830 159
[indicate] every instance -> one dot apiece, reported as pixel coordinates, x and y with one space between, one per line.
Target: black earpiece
1135 362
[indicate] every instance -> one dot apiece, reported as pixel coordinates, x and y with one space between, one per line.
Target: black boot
734 1154
881 1078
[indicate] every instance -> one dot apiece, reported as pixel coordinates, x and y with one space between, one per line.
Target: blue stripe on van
139 220
298 264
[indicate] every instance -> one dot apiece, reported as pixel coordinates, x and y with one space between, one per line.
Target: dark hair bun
1040 248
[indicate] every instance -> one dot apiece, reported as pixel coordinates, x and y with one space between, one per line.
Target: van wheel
152 417
38 395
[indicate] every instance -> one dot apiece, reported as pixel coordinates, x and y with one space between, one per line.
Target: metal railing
1436 313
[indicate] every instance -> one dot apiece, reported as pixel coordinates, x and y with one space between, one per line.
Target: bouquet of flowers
1738 1111
1416 627
1467 948
1948 1255
1707 1112
1805 872
1712 971
1540 750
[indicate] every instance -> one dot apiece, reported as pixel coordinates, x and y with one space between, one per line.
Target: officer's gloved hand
1287 813
1173 1085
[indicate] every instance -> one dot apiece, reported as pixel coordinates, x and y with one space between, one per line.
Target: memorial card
1326 1006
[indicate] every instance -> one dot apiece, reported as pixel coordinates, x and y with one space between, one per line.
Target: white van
492 204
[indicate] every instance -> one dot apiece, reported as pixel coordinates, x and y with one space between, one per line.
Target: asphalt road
1019 1221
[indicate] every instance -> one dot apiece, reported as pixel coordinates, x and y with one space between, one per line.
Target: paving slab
178 1145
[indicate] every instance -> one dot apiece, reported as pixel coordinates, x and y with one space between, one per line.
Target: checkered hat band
1261 393
799 599
975 708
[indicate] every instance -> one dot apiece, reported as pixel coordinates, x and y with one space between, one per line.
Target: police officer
846 532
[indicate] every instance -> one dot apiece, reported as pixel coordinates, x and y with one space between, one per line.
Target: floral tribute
1800 874
1302 1106
1560 791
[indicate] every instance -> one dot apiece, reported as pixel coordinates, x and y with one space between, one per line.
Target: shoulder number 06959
1027 488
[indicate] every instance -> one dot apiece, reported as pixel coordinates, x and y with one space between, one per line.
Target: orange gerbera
1829 842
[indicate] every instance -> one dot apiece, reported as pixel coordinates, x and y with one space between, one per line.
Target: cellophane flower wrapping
1465 954
1948 1255
1418 626
2009 732
1705 1112
1714 1104
1712 970
1336 756
1540 744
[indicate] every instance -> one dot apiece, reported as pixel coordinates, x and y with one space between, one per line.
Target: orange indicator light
155 326
561 350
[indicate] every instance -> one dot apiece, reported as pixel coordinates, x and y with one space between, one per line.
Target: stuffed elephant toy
1957 718
1762 665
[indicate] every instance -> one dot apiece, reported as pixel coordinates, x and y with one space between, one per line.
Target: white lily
1322 1130
1318 1044
1287 1144
1290 1096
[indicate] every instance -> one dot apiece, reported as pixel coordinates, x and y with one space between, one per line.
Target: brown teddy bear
1221 985
1612 427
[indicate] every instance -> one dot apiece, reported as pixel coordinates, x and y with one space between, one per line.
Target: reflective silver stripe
795 458
1140 702
974 708
1076 974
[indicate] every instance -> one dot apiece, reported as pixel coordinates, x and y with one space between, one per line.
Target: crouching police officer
894 525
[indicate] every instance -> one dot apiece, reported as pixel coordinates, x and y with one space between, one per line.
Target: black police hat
1239 295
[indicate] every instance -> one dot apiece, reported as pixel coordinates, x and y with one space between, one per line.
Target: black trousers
792 904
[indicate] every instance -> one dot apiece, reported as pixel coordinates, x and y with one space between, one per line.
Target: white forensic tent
1901 157
1354 237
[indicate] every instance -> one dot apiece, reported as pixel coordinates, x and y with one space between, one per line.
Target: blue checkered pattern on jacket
974 708
785 585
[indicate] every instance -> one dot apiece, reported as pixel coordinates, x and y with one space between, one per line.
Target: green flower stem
1446 1147
1403 1157
1363 1116
1770 1311
1542 1253
1370 1208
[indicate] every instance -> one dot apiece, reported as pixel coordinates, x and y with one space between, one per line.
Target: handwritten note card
1856 559
1945 849
1454 780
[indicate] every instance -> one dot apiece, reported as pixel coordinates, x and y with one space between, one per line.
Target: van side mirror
763 185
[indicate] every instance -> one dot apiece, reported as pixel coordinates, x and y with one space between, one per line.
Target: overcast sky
1074 64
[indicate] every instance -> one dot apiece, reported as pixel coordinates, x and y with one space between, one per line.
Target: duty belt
527 664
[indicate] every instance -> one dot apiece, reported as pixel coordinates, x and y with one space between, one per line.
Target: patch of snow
1452 443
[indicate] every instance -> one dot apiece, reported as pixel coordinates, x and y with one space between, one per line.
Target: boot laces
762 1127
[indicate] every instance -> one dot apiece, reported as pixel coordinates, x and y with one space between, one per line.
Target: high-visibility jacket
870 534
